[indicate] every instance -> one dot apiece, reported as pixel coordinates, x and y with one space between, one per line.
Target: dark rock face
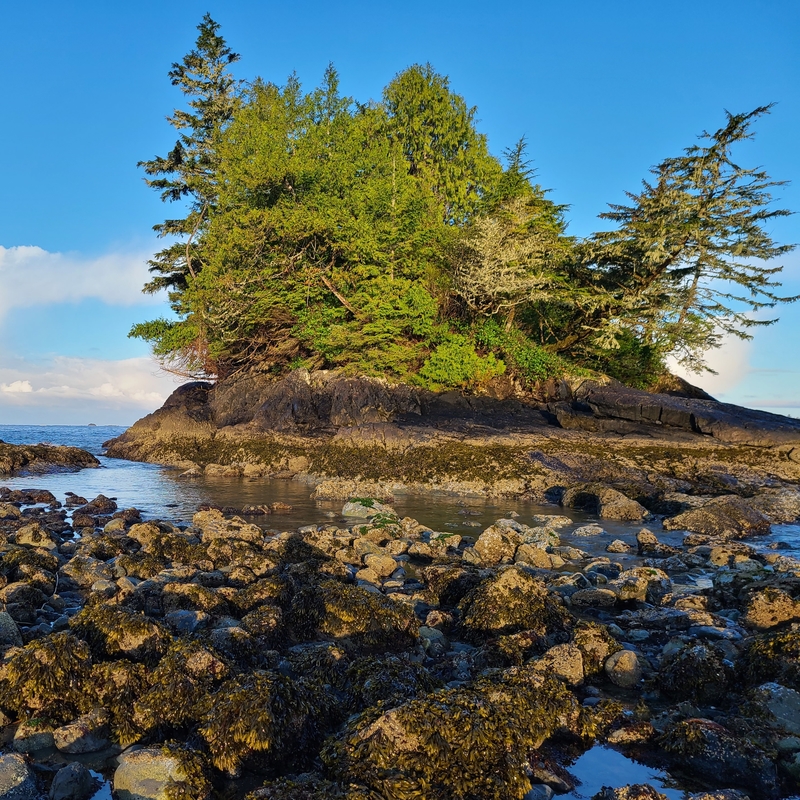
16 459
631 451
597 407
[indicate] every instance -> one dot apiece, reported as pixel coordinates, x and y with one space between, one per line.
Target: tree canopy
385 239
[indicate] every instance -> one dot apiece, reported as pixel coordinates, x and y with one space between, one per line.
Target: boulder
564 661
496 543
366 509
508 602
728 517
782 705
769 608
702 748
698 672
145 774
87 734
214 525
605 501
623 669
73 782
17 782
32 735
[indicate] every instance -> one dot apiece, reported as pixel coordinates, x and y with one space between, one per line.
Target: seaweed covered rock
510 601
596 645
331 609
308 786
727 517
115 686
391 681
469 742
773 657
698 672
178 686
112 632
264 719
47 677
633 791
448 583
706 749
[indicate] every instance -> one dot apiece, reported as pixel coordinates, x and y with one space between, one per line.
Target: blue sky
601 91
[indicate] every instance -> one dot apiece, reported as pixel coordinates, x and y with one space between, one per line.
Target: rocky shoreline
39 459
373 657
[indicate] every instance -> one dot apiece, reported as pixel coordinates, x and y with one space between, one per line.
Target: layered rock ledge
16 459
361 433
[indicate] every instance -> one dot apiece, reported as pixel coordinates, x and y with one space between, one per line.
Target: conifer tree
189 171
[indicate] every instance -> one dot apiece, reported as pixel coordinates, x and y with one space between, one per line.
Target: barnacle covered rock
468 742
512 600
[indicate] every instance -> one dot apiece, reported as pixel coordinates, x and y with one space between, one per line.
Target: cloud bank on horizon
48 387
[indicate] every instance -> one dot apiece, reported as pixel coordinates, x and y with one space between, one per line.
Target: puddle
602 766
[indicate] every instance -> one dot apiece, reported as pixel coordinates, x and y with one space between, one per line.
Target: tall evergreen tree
686 264
189 171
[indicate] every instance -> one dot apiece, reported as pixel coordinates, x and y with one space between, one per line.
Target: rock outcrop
622 453
24 459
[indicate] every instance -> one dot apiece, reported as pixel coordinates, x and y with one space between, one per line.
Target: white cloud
31 276
731 362
65 390
17 387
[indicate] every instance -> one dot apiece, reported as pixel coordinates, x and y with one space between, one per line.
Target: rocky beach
375 657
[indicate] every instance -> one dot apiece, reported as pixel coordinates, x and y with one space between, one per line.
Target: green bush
528 360
455 364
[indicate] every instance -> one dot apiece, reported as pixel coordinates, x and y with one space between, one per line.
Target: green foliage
633 362
384 239
455 364
528 360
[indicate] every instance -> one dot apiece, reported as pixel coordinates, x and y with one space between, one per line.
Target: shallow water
159 493
601 766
